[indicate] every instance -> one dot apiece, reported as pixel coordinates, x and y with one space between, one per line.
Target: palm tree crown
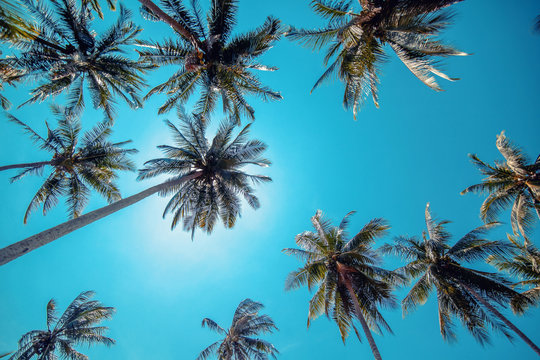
79 163
525 264
76 326
356 42
217 167
437 264
337 265
239 343
210 59
67 52
515 181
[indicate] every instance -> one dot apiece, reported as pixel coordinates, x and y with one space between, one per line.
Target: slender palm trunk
18 166
172 23
503 319
11 252
343 273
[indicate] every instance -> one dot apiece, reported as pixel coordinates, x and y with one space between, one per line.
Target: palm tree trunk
343 273
11 252
18 166
503 319
172 23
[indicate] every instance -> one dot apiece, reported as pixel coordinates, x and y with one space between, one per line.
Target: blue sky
388 163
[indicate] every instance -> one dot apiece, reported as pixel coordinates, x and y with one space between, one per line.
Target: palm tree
356 42
207 181
347 276
209 58
76 326
78 164
66 53
524 265
516 181
463 292
239 343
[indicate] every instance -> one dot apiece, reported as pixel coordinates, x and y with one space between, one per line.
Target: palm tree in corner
209 57
239 342
525 265
350 284
514 182
355 42
463 292
67 54
78 164
76 326
207 180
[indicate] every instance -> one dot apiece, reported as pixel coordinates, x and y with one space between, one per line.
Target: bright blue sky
388 163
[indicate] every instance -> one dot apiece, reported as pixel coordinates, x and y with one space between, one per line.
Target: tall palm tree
67 53
78 164
239 343
515 181
525 265
355 42
209 58
76 326
347 275
207 181
469 294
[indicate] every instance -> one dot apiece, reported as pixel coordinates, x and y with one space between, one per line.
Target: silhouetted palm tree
78 164
525 265
469 294
209 58
347 276
76 326
208 179
356 40
516 181
239 342
67 53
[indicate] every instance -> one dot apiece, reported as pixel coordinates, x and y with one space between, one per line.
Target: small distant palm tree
356 42
525 265
350 283
239 342
78 164
208 179
76 326
209 58
67 53
516 181
463 292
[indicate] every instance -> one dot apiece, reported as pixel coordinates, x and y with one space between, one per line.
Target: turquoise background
388 163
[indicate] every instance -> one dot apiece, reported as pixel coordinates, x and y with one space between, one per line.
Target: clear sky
388 163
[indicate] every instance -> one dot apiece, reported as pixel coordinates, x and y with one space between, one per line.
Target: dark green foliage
515 182
239 342
437 266
67 53
79 163
322 251
220 181
211 59
75 327
525 265
355 42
